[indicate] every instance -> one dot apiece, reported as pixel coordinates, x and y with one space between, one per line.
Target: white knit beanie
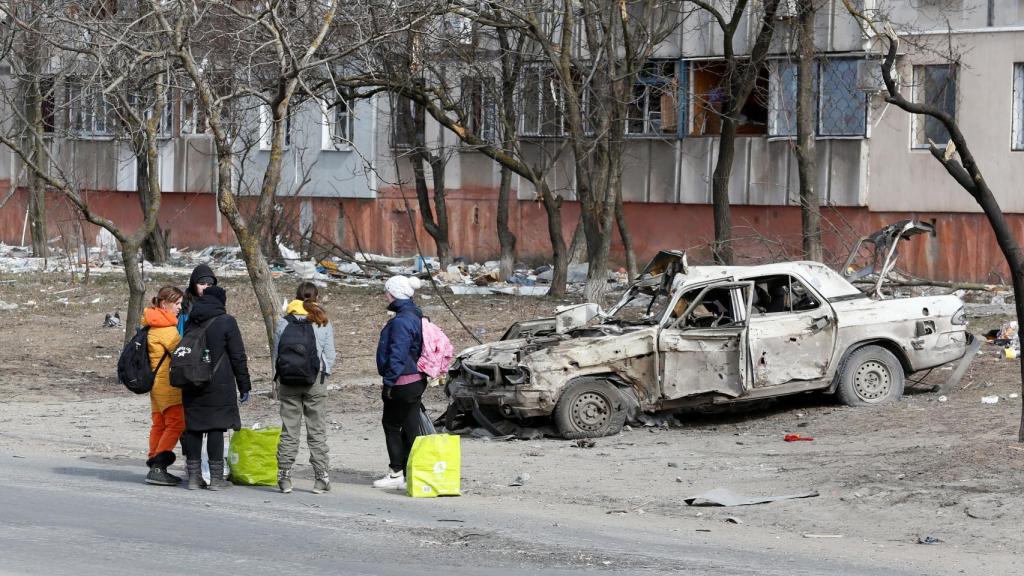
402 287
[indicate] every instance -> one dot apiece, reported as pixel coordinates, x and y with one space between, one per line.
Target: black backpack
133 369
298 362
191 368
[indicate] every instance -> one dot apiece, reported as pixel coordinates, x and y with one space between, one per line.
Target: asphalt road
73 516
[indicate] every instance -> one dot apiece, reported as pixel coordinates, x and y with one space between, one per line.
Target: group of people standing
304 335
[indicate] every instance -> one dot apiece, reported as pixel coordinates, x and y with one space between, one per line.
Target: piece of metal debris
823 535
726 497
733 520
928 540
521 479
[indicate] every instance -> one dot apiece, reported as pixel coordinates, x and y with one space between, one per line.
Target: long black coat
216 406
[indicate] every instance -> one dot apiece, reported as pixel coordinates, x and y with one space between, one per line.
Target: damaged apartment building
342 178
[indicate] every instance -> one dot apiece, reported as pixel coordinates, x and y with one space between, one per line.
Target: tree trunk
722 249
810 209
154 247
1018 299
627 239
136 289
413 117
262 282
578 248
34 109
506 239
560 261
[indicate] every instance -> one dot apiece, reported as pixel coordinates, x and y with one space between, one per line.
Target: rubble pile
364 270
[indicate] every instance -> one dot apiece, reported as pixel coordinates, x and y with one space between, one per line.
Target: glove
243 397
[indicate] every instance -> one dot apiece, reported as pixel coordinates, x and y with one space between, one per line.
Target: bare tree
955 157
810 205
739 80
118 79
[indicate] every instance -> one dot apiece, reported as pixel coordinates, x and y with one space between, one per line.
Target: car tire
870 376
590 409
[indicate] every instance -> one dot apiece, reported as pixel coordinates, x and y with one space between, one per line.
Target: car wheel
871 375
590 409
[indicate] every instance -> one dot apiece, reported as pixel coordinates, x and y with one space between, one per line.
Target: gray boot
322 483
194 468
217 481
284 480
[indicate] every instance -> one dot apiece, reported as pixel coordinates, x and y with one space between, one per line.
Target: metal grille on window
843 107
934 85
1018 107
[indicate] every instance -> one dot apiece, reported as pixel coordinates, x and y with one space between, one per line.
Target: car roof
825 280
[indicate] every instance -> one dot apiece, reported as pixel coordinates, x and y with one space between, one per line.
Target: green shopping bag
253 456
433 466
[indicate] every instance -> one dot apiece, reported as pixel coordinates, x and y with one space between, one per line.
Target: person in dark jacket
202 278
398 350
214 409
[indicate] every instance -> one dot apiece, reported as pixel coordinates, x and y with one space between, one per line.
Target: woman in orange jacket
168 414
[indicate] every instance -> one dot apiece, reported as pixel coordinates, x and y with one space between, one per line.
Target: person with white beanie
399 348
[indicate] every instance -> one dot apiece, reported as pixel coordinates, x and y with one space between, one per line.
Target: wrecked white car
683 336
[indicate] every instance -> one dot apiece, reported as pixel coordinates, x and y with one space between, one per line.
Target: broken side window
934 85
782 293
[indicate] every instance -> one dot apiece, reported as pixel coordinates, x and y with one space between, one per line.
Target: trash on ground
928 540
990 399
521 479
797 438
112 320
823 535
726 497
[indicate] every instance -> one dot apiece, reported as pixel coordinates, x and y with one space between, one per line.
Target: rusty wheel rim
872 381
590 411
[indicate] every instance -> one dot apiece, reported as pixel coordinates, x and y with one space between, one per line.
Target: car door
792 339
704 350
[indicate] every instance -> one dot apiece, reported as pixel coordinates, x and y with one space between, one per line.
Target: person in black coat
214 409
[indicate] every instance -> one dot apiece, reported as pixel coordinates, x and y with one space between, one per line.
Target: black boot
217 481
194 468
158 474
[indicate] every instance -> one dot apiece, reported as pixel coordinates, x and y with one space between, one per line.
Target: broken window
89 113
708 83
715 309
541 102
781 293
840 107
480 108
266 127
1017 142
336 116
193 120
934 85
654 106
47 90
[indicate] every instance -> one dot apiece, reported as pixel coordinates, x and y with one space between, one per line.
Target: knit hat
402 287
218 293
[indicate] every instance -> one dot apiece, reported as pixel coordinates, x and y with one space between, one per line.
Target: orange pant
167 428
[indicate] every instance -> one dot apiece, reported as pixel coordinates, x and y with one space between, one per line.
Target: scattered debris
797 438
928 540
112 320
6 306
943 399
726 497
521 479
585 443
990 399
733 520
822 535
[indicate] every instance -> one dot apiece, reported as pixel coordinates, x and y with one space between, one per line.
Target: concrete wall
902 178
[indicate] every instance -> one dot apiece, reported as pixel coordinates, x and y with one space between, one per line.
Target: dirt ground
887 476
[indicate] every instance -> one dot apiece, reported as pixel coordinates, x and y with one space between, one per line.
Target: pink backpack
437 351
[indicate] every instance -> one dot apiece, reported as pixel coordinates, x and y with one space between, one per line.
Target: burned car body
683 336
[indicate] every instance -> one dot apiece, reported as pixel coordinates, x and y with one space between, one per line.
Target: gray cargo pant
296 402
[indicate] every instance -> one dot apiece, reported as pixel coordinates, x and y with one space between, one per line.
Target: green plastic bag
434 465
252 456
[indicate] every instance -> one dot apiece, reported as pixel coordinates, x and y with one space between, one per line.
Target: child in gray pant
303 357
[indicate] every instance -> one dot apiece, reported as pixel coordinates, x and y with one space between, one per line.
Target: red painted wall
963 249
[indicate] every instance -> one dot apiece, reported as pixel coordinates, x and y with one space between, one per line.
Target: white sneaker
391 480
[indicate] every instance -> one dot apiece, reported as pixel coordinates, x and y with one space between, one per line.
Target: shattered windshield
642 307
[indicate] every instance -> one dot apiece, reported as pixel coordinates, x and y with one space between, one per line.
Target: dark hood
405 306
199 272
206 307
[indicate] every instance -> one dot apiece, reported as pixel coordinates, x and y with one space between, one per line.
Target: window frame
266 130
776 112
330 115
917 119
1017 109
477 98
84 105
660 86
542 72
